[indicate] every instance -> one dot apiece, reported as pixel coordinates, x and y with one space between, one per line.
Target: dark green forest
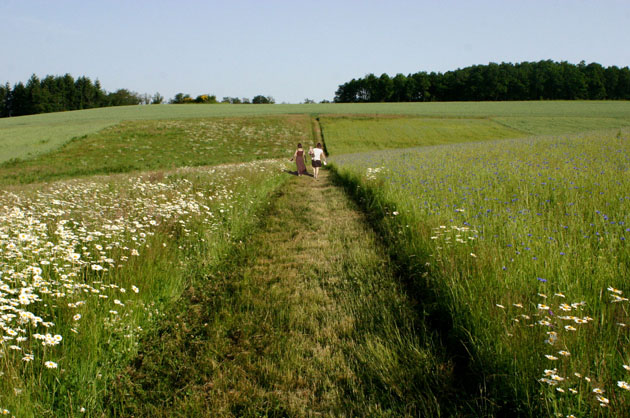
542 80
60 93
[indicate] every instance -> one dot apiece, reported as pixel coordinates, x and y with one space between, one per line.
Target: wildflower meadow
88 265
466 259
524 243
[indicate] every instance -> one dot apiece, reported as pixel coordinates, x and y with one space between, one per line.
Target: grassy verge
299 320
520 249
90 266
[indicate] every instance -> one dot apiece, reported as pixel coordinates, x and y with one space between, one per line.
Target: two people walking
316 155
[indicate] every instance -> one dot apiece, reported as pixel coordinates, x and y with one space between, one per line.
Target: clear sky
293 49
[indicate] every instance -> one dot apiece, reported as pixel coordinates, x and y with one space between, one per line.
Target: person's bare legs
315 172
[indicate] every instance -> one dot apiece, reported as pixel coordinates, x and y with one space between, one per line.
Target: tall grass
297 321
88 267
523 246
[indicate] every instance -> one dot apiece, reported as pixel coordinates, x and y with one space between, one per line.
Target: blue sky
293 50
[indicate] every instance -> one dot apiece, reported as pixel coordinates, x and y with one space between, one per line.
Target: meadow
28 136
164 144
518 248
91 263
503 290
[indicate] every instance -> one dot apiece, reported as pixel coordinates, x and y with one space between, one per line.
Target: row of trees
260 99
543 80
60 93
181 98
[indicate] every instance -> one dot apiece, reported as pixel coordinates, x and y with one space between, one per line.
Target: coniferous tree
67 88
19 100
58 93
100 96
5 92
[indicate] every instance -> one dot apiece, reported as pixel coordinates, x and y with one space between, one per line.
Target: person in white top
316 159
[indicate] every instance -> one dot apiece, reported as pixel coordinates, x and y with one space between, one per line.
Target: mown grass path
305 319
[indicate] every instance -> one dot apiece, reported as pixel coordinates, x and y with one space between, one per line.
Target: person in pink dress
298 156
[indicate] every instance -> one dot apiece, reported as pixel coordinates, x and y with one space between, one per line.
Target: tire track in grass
304 319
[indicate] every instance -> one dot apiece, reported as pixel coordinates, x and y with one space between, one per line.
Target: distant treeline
59 93
543 80
181 98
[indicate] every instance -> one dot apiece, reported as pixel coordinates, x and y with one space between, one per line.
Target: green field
352 134
558 125
27 136
162 260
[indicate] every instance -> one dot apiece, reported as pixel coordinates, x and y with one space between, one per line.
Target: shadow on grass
478 389
295 173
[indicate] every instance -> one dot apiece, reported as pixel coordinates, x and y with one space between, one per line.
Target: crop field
524 243
351 134
28 136
26 141
558 125
492 272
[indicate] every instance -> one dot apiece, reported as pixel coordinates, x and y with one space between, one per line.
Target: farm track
305 319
